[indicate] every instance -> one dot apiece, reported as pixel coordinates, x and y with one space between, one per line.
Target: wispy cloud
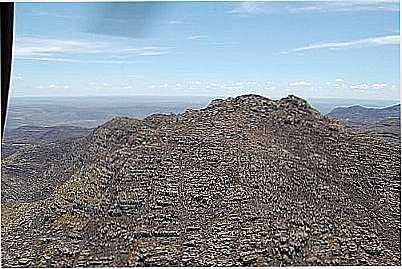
54 86
147 51
57 50
49 59
302 83
249 8
365 86
362 86
257 8
31 46
379 86
196 37
153 53
346 6
372 41
69 60
175 22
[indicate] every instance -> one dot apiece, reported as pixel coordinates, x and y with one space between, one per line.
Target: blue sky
311 49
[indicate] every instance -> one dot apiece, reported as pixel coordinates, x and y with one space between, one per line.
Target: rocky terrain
245 181
27 136
388 129
384 122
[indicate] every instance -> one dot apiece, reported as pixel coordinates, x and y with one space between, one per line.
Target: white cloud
51 59
302 83
18 77
372 41
257 8
345 6
31 46
249 8
251 82
147 51
196 37
270 88
152 53
54 86
379 86
57 50
70 60
175 22
365 86
362 86
339 80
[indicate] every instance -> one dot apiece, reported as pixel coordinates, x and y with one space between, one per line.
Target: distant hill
24 136
29 134
245 181
358 114
381 122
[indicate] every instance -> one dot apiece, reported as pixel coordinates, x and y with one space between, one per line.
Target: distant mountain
29 134
245 181
381 122
26 136
359 114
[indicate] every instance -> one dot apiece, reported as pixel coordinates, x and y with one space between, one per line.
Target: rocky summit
246 181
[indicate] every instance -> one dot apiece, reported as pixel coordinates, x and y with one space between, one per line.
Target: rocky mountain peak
291 109
258 101
246 181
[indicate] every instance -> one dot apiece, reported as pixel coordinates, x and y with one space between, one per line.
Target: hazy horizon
197 96
91 111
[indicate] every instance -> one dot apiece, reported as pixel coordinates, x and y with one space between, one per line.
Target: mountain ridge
244 181
359 113
380 122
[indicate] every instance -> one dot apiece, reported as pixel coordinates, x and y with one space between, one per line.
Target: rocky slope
388 129
245 181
